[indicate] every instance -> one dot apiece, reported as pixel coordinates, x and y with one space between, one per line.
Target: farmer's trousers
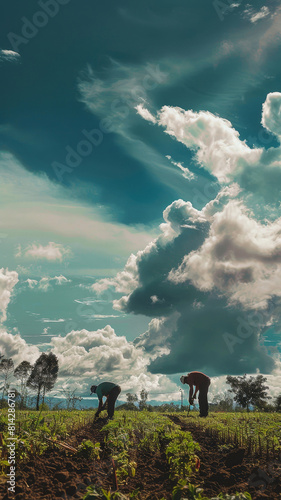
111 400
203 400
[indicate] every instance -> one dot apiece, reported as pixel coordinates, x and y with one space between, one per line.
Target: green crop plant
184 490
94 493
125 465
236 496
89 450
259 433
187 491
181 454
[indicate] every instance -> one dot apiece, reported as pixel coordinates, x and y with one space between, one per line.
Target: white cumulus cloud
95 356
240 256
271 113
15 347
8 280
51 252
124 282
216 143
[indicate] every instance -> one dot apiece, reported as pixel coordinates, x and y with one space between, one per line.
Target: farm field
144 455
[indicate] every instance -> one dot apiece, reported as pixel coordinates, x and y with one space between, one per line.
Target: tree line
247 392
40 377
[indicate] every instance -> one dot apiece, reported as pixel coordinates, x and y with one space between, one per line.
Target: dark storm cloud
214 338
209 334
193 279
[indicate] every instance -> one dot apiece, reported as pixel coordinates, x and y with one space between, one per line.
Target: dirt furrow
228 471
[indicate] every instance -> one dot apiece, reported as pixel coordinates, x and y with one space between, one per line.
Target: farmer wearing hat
201 383
111 392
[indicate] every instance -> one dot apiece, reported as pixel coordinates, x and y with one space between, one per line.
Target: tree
170 407
277 403
22 373
143 399
222 402
248 391
43 376
71 398
131 398
7 368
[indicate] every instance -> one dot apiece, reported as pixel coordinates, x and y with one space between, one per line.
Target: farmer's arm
190 394
99 407
196 390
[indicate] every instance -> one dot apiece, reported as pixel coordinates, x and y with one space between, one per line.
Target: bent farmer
111 392
201 383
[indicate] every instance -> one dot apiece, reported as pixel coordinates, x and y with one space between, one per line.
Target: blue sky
140 174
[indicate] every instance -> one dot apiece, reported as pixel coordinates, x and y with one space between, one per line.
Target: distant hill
88 403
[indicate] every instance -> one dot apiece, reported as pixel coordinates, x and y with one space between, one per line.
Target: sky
140 167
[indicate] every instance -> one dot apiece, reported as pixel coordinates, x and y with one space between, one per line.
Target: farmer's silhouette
111 392
201 383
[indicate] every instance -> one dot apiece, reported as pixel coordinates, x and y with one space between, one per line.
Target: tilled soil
228 472
58 473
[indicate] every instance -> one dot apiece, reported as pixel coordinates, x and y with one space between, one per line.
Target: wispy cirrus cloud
186 173
9 56
47 320
47 211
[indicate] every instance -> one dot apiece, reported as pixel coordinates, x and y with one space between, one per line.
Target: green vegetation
43 375
258 432
35 431
95 493
249 391
89 450
181 492
143 433
131 432
185 491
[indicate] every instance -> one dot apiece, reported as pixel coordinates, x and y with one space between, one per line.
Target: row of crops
36 430
132 433
259 433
